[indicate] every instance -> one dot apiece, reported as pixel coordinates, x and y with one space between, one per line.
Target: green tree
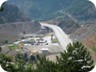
0 49
75 59
5 61
46 65
6 41
1 9
19 65
22 65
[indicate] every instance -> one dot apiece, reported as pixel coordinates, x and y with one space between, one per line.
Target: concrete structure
45 50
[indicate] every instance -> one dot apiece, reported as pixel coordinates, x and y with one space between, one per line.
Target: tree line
75 59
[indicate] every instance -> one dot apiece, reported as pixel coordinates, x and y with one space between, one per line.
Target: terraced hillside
87 35
11 31
90 43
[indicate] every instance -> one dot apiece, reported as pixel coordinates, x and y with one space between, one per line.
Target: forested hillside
50 9
11 13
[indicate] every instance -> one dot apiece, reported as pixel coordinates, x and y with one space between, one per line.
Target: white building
45 50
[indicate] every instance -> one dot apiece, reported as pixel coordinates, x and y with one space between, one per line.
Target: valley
45 28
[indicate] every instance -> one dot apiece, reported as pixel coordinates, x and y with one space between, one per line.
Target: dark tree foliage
5 61
21 57
1 9
38 57
32 58
0 49
6 41
19 65
76 59
46 66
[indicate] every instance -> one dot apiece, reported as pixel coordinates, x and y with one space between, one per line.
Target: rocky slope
68 14
11 13
13 22
90 43
12 31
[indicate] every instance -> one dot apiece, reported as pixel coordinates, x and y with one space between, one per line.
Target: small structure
45 51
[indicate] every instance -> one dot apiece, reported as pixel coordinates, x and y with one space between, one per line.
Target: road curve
62 37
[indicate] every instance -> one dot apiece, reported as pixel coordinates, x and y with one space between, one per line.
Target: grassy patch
94 49
31 41
12 46
54 41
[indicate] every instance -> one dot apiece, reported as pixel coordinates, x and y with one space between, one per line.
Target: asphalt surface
62 37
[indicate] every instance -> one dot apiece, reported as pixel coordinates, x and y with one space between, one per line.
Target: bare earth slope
11 31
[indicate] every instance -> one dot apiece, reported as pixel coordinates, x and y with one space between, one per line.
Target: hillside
13 22
12 31
68 14
86 34
90 43
11 13
50 9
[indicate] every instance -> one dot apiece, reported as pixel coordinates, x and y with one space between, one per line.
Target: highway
62 37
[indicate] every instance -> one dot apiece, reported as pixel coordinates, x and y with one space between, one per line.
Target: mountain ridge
11 13
50 9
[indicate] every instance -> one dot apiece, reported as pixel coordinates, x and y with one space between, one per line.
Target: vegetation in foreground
75 59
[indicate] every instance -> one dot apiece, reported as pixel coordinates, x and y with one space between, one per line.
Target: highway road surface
63 38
